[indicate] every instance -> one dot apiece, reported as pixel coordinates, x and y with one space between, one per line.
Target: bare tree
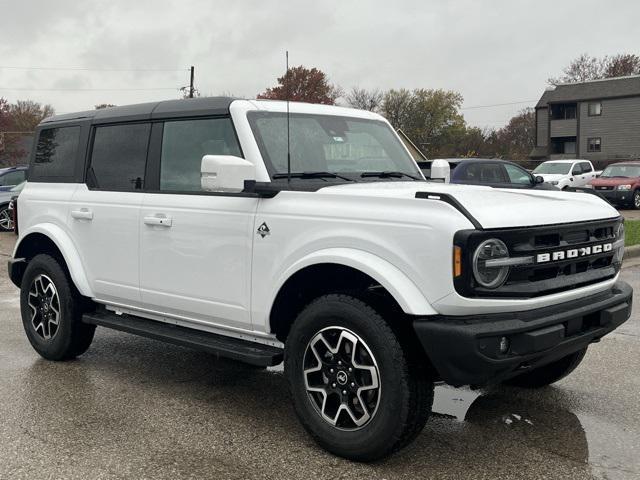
622 65
26 114
104 105
365 99
586 67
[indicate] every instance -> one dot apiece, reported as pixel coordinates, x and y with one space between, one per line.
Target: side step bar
233 348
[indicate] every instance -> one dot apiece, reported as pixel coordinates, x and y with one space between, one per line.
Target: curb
632 251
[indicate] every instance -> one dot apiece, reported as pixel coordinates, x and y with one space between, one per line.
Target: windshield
325 143
553 168
621 171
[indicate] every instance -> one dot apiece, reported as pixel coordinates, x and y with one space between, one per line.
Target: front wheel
548 374
636 199
356 389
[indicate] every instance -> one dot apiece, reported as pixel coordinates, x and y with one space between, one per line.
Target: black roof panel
189 107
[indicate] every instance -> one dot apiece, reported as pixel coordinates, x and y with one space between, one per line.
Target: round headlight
487 274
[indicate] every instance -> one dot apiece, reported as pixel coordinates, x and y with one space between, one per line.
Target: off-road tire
548 374
406 393
72 337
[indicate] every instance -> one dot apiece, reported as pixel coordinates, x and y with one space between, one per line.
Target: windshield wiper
311 175
388 174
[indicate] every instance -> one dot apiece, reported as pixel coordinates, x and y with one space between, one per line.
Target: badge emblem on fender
263 230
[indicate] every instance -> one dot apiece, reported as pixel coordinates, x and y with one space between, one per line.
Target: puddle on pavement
453 402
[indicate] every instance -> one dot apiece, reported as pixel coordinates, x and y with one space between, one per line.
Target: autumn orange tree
302 84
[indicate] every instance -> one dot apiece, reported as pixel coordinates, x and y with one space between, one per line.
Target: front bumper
465 350
617 197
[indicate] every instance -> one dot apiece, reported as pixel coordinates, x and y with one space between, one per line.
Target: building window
563 111
594 144
563 145
595 109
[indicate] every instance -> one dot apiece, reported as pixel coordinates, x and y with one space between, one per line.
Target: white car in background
566 173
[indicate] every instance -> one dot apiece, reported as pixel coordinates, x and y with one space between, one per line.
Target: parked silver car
6 217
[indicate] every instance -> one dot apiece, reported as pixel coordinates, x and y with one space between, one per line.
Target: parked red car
620 184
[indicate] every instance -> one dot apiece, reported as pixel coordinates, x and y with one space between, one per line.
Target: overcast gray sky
491 52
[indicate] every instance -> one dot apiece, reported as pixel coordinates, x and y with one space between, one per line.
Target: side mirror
225 173
440 171
538 179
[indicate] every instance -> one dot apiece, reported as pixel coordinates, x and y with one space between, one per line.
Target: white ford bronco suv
308 236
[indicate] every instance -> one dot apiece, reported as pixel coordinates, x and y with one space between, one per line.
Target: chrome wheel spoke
44 303
341 378
5 220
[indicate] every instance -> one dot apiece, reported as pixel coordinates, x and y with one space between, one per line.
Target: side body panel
411 256
199 265
105 227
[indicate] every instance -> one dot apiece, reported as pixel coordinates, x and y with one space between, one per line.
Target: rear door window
485 173
119 157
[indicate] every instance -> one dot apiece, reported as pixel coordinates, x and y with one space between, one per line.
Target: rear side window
56 153
185 142
119 157
485 173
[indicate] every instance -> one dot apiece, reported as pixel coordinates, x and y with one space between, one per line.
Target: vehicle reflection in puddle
453 402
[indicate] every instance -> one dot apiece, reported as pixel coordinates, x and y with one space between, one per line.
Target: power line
89 69
498 104
86 89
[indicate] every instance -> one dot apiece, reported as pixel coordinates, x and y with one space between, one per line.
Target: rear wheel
355 388
52 310
6 222
548 374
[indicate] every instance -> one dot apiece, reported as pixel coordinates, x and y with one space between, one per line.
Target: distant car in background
12 176
566 173
619 183
6 215
493 173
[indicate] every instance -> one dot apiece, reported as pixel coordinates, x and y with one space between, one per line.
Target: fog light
504 345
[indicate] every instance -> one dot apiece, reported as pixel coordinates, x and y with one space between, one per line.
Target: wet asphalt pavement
135 408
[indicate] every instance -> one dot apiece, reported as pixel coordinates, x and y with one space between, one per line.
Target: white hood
494 207
550 177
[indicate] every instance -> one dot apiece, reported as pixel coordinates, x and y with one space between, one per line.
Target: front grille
556 275
605 188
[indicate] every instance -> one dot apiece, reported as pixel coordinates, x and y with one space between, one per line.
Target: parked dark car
619 183
494 173
12 176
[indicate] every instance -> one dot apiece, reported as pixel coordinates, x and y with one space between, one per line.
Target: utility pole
191 89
